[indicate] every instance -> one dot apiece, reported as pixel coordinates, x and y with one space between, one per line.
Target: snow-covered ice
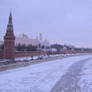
86 78
36 78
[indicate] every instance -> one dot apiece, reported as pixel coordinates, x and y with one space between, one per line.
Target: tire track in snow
69 81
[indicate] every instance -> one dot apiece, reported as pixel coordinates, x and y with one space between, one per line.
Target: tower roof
9 31
10 26
10 17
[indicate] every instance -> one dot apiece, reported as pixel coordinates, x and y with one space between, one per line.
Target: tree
57 46
23 47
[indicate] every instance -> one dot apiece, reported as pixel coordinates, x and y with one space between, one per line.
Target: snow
36 78
26 58
23 58
36 57
86 77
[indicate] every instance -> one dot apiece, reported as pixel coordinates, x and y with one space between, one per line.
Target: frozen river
71 74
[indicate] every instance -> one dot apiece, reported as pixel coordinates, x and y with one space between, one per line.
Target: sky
60 21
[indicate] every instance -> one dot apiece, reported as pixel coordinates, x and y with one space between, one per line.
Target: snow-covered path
39 77
69 81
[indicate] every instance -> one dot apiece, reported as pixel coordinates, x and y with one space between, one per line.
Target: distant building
46 42
24 39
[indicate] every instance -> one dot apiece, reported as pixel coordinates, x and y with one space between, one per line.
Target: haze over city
45 37
61 21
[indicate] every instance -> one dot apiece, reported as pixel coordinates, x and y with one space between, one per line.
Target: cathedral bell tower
9 40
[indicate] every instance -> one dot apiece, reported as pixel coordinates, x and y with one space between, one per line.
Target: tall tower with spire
9 40
40 38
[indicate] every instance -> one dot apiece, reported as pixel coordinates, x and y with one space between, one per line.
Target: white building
24 39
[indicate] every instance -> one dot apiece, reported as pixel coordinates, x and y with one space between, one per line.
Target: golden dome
40 33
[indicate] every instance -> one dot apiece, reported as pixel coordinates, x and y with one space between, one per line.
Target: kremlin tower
9 40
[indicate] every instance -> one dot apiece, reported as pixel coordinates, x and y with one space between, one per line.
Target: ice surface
36 78
86 78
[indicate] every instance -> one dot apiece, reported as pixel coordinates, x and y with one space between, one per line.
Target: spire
10 18
40 33
10 26
41 36
9 30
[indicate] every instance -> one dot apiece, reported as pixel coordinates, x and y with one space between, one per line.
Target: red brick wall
28 53
1 54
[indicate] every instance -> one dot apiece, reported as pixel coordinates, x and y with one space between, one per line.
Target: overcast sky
61 21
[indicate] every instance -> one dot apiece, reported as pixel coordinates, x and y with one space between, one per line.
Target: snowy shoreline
25 61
